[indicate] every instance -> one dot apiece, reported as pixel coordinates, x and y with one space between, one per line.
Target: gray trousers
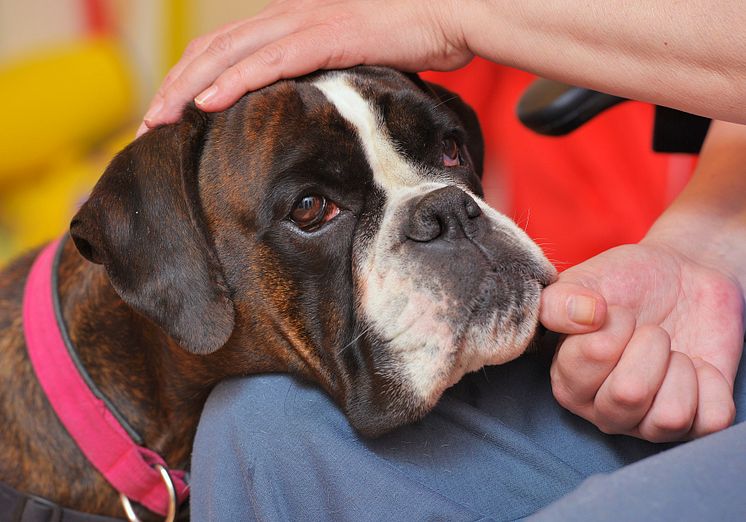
496 447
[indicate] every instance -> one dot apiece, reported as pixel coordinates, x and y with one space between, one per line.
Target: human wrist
451 18
707 221
706 236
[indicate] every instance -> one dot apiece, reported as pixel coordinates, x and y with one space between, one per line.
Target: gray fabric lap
496 447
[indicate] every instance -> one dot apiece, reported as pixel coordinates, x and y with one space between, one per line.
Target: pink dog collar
129 467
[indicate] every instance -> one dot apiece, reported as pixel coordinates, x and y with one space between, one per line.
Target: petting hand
291 38
661 348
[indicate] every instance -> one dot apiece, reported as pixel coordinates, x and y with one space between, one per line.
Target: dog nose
447 212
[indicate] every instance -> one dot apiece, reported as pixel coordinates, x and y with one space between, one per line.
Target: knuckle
717 419
672 421
564 396
169 92
271 55
195 46
560 393
172 101
600 349
653 335
161 94
235 75
607 428
653 435
628 394
221 44
167 80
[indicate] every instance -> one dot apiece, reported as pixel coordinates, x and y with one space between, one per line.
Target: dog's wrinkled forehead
390 167
398 125
337 129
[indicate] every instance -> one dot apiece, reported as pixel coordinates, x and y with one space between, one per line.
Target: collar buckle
127 505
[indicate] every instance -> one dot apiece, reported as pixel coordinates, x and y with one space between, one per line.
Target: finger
295 55
627 394
195 48
225 50
672 413
570 308
716 409
583 362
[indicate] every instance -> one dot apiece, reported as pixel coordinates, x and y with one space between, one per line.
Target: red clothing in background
577 195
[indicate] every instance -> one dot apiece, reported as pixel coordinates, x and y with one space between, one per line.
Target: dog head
331 226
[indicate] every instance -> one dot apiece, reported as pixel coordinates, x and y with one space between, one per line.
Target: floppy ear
474 139
143 222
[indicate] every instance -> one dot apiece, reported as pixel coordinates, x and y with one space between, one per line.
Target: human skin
687 55
654 330
662 365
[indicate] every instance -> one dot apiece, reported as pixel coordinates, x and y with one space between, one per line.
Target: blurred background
76 76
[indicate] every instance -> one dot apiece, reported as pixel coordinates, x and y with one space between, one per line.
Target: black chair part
556 109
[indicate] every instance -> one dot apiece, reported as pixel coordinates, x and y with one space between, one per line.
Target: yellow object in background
40 209
61 110
65 99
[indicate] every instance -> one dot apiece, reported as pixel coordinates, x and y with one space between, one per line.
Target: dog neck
154 384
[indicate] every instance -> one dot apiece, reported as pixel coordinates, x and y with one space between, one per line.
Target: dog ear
474 140
143 222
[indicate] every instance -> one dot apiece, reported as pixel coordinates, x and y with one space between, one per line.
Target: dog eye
311 211
451 153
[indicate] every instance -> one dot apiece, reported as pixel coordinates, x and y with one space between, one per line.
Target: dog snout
447 213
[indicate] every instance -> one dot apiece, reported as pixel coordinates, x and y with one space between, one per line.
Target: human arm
662 365
687 55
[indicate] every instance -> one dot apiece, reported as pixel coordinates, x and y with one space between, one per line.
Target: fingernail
206 95
581 309
153 111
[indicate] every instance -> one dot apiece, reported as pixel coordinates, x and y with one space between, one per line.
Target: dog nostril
448 212
472 209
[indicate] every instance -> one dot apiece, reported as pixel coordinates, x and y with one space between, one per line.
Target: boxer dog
330 226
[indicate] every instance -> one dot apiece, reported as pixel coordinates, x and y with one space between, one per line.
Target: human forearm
687 55
707 222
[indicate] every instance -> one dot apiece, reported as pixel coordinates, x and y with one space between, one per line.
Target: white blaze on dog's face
445 283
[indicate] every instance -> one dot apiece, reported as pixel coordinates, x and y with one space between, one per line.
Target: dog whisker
446 100
524 222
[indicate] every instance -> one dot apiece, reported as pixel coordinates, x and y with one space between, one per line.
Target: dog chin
418 388
494 340
423 366
500 331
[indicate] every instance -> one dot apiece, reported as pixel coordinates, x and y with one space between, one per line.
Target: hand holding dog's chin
657 357
289 39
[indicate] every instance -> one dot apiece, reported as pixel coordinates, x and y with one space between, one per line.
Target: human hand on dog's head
291 38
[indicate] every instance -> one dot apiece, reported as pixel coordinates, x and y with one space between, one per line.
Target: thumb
570 308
